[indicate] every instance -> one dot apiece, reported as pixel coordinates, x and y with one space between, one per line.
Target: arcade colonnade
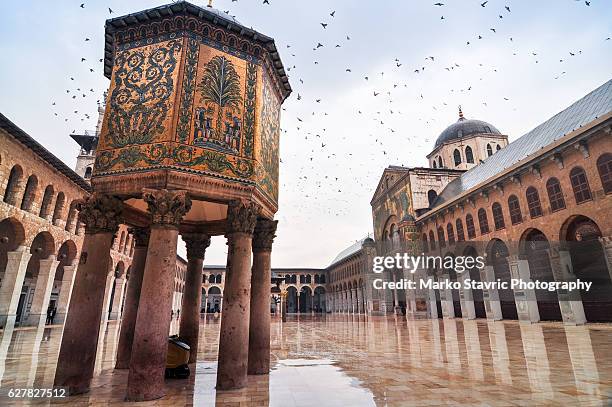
245 326
349 298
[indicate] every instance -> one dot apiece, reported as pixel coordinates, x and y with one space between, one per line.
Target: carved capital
196 243
141 236
167 208
100 213
265 232
241 217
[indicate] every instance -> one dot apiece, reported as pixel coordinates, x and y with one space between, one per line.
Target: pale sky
332 159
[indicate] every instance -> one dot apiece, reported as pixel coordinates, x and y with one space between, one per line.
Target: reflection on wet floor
343 360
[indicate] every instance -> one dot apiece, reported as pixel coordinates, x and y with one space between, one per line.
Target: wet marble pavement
344 360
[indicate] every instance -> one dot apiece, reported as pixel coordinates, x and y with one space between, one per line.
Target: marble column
491 295
12 281
110 279
259 325
102 216
189 329
65 292
468 310
446 297
42 291
150 344
570 303
117 298
132 297
525 299
234 335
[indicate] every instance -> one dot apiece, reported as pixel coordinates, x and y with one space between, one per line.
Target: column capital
100 213
241 217
196 243
141 236
264 234
166 208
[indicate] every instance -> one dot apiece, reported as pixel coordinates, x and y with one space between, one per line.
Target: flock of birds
323 166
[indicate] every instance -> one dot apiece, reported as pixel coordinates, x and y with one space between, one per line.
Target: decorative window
440 162
533 202
483 221
514 206
489 150
450 233
580 185
459 227
432 240
469 155
498 216
497 147
88 172
434 164
469 224
29 194
457 157
441 240
604 166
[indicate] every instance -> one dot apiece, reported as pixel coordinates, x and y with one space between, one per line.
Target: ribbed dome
465 127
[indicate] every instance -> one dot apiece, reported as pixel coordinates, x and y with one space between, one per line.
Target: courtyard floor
342 360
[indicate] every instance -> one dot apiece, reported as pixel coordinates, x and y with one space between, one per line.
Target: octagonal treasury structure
194 104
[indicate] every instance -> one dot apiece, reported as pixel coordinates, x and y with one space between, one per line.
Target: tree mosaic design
270 131
220 89
143 86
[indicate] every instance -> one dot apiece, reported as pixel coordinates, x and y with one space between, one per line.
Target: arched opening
452 275
457 157
13 185
497 147
441 239
469 155
483 221
460 233
435 165
424 242
604 167
41 248
514 207
431 197
214 300
498 216
12 235
469 224
66 255
305 299
29 194
440 162
474 272
218 278
292 300
533 202
489 150
320 300
588 263
555 194
432 240
88 172
72 217
498 258
580 185
45 206
535 246
59 207
450 234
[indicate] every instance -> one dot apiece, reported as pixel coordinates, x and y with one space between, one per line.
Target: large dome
465 127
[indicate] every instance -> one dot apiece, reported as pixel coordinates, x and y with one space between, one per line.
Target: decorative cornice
166 208
265 232
241 217
141 236
100 213
196 243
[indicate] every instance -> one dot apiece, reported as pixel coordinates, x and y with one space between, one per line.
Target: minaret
88 142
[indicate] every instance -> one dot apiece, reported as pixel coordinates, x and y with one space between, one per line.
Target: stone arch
72 218
88 172
587 255
457 157
604 168
66 255
431 196
469 155
29 194
497 256
120 269
60 201
45 205
320 299
12 235
13 185
535 247
43 246
292 301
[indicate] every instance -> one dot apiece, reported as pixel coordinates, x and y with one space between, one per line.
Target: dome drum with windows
465 143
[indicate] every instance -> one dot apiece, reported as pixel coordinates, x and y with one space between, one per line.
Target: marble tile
340 360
